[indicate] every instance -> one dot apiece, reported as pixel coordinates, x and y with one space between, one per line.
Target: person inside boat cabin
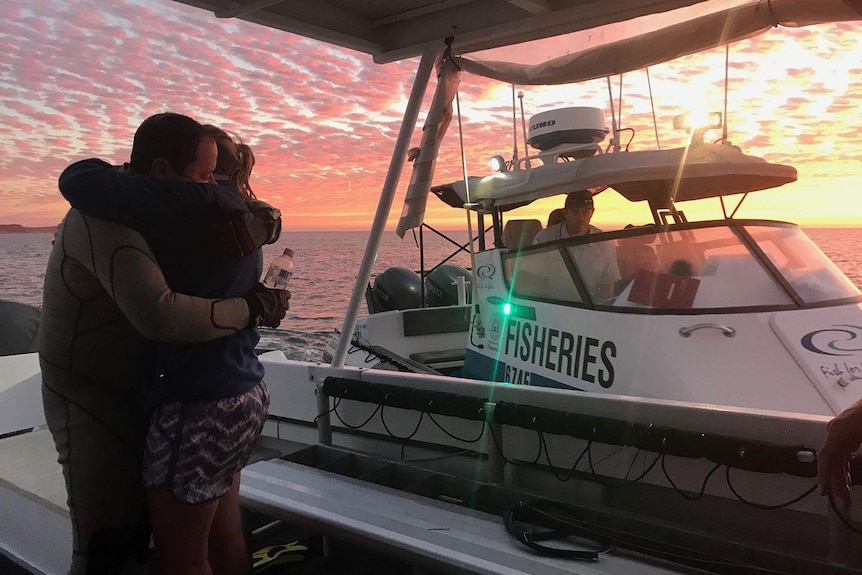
597 262
104 297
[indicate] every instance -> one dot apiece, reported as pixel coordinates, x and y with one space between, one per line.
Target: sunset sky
77 77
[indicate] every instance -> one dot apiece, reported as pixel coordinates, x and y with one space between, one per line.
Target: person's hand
843 436
266 307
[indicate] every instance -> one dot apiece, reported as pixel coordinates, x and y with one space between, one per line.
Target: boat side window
811 274
699 268
540 273
597 264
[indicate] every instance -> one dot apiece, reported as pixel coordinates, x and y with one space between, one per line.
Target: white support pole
423 73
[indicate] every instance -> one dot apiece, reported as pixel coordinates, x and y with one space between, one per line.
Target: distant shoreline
19 229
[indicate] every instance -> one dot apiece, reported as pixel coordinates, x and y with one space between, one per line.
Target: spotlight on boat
697 124
497 163
697 121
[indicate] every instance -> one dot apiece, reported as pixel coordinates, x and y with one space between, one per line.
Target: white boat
675 420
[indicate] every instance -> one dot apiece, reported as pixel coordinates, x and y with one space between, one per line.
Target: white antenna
524 128
514 132
615 141
726 81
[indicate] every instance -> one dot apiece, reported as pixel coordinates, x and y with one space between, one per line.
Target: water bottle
279 272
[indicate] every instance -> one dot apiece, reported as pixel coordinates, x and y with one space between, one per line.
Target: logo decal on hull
838 340
486 272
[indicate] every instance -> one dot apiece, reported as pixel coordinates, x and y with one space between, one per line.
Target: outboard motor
441 287
396 288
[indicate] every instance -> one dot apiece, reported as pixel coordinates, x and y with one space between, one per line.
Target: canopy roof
679 174
628 46
391 30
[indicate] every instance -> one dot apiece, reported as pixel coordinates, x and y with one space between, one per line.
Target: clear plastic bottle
280 271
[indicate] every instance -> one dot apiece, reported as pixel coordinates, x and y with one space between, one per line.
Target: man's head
579 210
171 146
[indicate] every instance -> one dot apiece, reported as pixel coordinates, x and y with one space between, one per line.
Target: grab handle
726 330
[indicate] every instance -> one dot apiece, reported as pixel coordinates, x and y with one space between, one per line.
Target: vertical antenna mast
615 141
515 164
524 128
726 74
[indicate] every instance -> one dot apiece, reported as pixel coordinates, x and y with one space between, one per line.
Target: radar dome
574 125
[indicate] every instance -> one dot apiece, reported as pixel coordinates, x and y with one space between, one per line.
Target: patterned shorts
196 448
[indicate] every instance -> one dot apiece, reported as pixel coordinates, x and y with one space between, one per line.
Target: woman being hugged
207 401
209 407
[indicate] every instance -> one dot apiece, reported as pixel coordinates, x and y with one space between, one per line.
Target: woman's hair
171 136
235 159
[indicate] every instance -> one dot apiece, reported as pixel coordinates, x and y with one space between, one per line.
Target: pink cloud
76 80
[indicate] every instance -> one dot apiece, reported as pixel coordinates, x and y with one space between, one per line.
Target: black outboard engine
396 288
441 285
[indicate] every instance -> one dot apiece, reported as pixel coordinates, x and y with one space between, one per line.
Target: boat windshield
717 266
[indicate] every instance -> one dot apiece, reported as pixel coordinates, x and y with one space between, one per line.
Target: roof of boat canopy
392 30
679 174
634 45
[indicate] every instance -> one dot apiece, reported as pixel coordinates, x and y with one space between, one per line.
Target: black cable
531 536
361 425
680 491
543 445
643 544
409 437
503 455
456 438
622 483
334 407
760 505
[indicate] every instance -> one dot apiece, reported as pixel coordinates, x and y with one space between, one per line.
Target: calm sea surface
326 266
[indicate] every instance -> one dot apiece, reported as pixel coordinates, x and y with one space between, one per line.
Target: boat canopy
659 176
613 49
392 30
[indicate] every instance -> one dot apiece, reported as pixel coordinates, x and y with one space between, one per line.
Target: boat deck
32 488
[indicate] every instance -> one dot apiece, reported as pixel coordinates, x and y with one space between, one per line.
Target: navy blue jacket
175 218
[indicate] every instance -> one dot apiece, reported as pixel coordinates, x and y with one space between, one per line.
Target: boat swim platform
432 535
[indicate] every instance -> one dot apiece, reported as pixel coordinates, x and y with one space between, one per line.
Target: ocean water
326 266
